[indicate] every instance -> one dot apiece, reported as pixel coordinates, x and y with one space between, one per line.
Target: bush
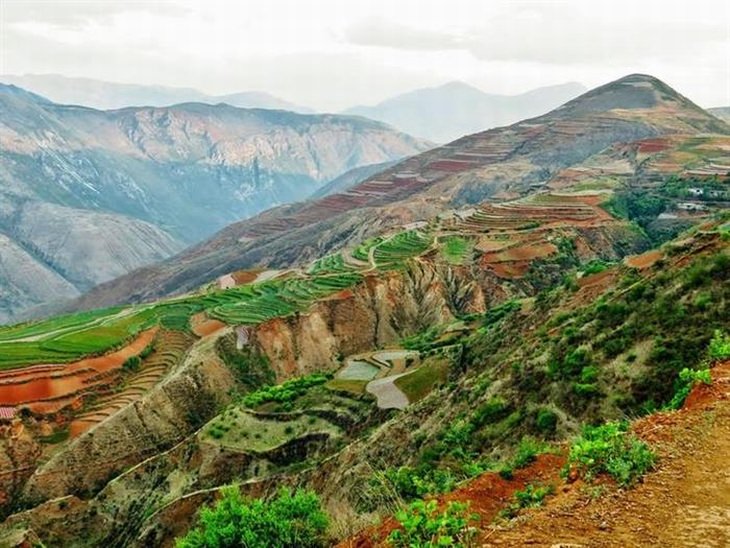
132 363
288 521
418 482
688 378
611 449
719 348
546 421
530 497
423 526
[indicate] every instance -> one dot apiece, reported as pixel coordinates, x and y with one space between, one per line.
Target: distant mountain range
721 112
444 113
502 163
88 195
111 95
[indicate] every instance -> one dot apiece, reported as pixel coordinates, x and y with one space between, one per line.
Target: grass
455 249
417 384
241 430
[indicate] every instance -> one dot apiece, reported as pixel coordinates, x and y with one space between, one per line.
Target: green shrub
546 421
132 363
422 525
688 378
719 348
288 521
417 482
611 449
286 392
531 497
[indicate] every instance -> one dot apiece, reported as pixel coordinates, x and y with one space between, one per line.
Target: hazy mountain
447 112
507 161
92 194
721 112
351 178
110 95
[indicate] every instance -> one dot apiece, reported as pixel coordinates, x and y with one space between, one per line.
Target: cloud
383 33
562 33
75 14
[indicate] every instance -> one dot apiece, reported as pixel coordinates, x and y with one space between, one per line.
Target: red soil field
44 383
645 260
203 326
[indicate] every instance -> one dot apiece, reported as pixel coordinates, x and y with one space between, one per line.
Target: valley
444 329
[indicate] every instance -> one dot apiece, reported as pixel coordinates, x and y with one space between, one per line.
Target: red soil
645 260
245 276
486 496
51 383
203 326
685 502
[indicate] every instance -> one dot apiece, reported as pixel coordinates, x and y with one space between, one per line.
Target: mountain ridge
456 109
507 160
171 175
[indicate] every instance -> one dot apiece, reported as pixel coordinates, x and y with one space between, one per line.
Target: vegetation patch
286 392
423 525
613 450
290 520
418 383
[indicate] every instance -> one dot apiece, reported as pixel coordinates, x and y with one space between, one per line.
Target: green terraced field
361 252
455 248
72 337
330 264
403 245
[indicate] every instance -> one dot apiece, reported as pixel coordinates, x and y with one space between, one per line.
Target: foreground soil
684 502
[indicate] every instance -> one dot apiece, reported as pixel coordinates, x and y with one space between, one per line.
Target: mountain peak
643 92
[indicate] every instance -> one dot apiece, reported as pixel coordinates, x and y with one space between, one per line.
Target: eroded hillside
412 356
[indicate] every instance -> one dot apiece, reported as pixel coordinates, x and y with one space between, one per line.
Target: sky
333 54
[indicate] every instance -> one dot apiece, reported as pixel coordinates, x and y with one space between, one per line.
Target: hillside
110 95
456 109
462 354
723 113
149 180
498 164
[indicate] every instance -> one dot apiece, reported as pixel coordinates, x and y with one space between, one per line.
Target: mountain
442 114
463 325
146 181
496 164
110 95
351 178
723 113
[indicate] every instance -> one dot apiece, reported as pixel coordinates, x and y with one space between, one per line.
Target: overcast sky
331 54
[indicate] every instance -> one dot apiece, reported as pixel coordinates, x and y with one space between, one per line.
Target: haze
332 54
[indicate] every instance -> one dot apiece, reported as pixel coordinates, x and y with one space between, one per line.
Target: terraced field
403 245
170 347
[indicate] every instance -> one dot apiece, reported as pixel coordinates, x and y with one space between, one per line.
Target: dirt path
388 394
685 502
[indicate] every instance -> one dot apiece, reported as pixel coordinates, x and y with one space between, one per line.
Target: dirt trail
685 502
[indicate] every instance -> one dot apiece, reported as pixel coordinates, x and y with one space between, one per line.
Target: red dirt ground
203 326
46 383
486 495
645 260
685 502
